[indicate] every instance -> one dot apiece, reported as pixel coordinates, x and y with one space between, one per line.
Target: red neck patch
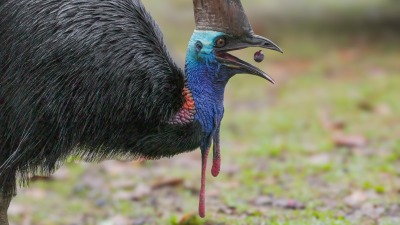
186 113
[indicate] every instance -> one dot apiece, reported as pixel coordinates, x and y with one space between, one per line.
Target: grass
274 146
281 162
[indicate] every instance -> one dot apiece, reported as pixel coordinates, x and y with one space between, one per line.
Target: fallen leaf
40 178
350 141
168 183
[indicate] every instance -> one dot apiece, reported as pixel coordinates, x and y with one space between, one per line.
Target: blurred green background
319 147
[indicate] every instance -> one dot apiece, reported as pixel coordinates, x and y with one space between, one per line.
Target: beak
236 43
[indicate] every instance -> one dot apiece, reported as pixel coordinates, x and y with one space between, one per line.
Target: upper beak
252 40
236 43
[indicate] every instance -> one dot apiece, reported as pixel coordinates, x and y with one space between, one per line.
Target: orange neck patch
186 113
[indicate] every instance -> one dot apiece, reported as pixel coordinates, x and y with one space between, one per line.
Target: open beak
236 43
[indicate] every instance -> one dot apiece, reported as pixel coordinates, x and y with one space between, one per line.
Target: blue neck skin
206 83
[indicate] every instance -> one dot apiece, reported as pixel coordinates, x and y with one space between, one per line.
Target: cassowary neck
208 94
203 98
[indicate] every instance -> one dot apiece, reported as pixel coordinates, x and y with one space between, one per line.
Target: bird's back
78 72
112 47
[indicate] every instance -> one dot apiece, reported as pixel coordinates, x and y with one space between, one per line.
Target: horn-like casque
226 16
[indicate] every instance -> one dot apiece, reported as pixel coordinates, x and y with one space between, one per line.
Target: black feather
87 78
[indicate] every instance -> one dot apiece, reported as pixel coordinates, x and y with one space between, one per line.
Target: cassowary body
94 79
91 78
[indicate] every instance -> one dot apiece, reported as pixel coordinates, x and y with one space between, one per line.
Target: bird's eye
198 46
220 42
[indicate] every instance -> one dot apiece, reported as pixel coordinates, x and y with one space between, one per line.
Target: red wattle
202 207
216 167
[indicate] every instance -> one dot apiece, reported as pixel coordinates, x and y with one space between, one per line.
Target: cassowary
93 79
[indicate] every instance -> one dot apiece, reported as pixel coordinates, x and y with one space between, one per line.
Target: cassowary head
221 26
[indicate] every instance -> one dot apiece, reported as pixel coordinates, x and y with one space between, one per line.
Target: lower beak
237 43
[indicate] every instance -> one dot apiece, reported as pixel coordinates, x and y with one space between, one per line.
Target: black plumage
87 78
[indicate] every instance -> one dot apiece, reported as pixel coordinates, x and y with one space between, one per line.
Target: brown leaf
174 182
40 178
350 141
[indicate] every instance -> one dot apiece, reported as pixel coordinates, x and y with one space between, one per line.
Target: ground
319 147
